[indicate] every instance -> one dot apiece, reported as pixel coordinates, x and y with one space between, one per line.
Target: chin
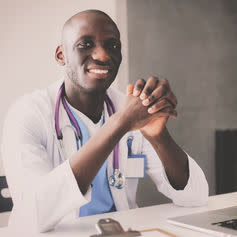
98 85
95 88
90 84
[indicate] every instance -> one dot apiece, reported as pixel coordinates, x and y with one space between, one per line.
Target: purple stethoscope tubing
111 110
70 115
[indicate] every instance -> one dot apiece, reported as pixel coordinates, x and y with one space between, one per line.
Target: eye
114 45
85 44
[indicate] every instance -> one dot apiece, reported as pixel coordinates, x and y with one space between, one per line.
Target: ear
59 55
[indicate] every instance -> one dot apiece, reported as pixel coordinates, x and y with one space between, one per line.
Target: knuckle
167 110
148 90
171 98
141 81
165 81
153 78
153 81
140 84
165 101
164 87
163 110
151 98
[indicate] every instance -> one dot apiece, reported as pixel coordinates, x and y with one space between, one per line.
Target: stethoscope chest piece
117 179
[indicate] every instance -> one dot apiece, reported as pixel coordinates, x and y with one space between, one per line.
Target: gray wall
193 44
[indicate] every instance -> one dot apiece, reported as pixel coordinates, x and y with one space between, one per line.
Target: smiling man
80 146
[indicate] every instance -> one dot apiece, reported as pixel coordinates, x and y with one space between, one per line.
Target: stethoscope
117 179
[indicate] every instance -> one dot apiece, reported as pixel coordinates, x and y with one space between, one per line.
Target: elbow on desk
201 193
198 196
204 195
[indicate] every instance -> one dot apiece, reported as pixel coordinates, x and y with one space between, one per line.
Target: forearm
173 158
87 161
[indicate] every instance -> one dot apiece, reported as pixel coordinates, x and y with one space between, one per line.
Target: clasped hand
148 106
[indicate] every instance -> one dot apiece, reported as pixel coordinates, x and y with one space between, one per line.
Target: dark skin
86 51
91 52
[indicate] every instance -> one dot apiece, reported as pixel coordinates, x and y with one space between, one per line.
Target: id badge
136 166
136 163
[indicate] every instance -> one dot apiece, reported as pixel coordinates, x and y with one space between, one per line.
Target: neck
89 103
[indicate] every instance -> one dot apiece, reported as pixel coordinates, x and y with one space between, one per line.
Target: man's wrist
163 138
120 122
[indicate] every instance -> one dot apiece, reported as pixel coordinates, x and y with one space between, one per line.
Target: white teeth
98 71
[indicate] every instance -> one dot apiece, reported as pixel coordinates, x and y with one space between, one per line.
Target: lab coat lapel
119 195
68 144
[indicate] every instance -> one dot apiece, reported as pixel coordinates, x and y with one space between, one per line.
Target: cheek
70 73
118 58
77 60
118 61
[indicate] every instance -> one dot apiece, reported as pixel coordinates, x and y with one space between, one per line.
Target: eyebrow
89 37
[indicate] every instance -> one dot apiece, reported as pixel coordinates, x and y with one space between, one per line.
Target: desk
138 219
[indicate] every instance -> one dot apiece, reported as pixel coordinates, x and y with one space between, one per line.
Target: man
80 147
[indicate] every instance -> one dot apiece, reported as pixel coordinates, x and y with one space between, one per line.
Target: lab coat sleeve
42 195
195 192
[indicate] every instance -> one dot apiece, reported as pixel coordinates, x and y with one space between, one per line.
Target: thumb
130 89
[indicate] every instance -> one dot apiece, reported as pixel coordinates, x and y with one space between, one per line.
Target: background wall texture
193 44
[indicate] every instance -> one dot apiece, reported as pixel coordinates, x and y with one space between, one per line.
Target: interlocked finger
168 111
150 86
160 91
130 89
172 98
138 87
159 105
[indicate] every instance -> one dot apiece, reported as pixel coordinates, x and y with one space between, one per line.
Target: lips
98 71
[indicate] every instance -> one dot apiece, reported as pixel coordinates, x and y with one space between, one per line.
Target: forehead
90 24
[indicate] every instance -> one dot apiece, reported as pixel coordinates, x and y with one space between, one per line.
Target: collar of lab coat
69 147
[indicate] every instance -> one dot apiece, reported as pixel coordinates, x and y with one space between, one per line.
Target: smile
98 71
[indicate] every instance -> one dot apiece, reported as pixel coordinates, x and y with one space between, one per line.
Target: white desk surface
138 219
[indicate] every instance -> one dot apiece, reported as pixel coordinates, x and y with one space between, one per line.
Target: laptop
221 222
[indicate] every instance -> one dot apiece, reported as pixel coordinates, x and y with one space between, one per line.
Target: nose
100 54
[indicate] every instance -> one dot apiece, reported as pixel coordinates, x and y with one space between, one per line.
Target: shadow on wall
152 197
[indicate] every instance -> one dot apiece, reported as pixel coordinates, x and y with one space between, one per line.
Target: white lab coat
42 185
